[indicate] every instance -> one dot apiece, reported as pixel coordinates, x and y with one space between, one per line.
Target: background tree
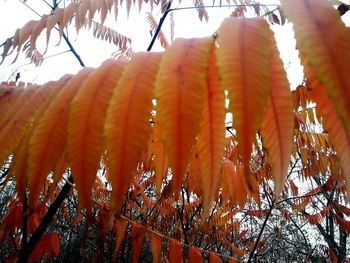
179 179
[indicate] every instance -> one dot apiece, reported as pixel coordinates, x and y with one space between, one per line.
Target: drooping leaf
338 135
13 114
19 166
105 33
175 251
314 219
156 243
322 39
49 138
342 223
160 158
127 126
153 26
202 12
48 246
211 138
278 123
233 181
85 126
138 235
194 183
25 113
194 255
179 90
214 258
232 260
9 96
244 60
121 226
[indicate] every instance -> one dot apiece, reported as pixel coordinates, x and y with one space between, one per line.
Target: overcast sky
14 14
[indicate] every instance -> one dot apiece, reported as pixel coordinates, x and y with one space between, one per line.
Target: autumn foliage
190 140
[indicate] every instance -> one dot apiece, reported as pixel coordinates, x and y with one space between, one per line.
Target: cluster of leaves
177 177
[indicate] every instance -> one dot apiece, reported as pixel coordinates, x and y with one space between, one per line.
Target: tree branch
26 252
251 255
162 19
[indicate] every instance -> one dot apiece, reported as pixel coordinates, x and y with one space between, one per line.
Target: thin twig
251 255
72 49
168 10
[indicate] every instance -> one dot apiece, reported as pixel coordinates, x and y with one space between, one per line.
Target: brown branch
251 255
24 222
25 253
167 10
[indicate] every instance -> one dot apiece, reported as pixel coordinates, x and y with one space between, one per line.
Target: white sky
14 14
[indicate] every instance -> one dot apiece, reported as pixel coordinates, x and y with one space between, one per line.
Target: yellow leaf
85 126
180 89
244 61
127 126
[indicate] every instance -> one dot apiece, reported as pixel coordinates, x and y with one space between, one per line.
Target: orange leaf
343 224
85 126
154 26
179 91
8 97
243 60
138 235
214 258
175 251
156 243
48 246
337 133
211 138
127 126
19 166
121 226
233 180
160 159
194 176
322 38
26 119
194 255
24 112
278 123
48 141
